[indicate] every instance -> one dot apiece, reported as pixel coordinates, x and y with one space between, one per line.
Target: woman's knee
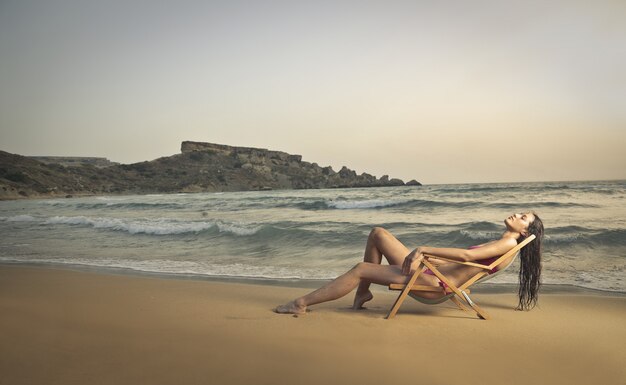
362 266
378 233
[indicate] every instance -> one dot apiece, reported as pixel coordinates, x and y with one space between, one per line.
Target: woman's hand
412 261
437 262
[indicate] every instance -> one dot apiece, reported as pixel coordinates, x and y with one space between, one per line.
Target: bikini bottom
441 283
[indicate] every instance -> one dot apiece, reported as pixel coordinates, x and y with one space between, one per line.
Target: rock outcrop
199 167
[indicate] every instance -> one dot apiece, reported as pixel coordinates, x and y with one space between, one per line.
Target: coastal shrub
40 188
16 176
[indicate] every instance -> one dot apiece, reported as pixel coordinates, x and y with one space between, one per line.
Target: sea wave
19 218
285 232
159 226
422 204
587 237
356 204
113 205
536 205
479 235
503 188
332 234
327 204
363 204
579 237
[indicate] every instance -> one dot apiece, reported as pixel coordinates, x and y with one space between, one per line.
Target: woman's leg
380 243
344 284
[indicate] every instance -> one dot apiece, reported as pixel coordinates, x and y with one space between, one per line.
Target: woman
403 263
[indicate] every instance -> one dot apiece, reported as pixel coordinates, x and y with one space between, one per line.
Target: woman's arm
493 249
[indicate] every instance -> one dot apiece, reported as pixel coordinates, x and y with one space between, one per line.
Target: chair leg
395 307
459 303
403 294
480 312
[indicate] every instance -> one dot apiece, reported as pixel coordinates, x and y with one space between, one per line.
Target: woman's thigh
387 274
390 246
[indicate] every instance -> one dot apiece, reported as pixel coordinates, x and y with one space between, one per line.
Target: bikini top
486 261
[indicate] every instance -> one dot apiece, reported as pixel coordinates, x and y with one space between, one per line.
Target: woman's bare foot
290 308
360 299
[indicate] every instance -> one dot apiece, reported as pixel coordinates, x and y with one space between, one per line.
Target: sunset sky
438 91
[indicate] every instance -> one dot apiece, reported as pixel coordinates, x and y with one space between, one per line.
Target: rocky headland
200 167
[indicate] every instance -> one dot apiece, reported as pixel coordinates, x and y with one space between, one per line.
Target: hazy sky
439 91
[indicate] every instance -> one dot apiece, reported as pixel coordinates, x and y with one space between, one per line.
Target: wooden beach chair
452 292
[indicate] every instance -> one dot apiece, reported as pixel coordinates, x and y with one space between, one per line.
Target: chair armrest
459 262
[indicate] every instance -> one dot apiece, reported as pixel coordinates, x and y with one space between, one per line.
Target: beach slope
74 327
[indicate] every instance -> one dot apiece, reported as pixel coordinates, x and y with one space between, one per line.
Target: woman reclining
403 263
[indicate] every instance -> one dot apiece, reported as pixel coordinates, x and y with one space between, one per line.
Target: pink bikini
486 262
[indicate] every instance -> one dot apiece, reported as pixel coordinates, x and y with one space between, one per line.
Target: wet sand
76 327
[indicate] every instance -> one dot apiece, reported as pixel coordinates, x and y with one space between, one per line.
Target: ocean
317 234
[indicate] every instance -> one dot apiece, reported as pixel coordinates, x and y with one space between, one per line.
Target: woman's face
519 222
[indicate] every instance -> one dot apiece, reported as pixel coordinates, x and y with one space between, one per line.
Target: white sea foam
159 226
364 204
186 267
481 235
51 202
20 218
107 198
237 229
563 237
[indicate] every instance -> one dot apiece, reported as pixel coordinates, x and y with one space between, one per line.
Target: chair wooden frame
459 295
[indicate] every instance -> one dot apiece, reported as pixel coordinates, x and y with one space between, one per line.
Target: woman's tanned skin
403 262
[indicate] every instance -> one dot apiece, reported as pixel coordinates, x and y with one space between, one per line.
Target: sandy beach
77 327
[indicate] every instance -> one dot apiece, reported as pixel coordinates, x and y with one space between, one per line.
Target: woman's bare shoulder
492 249
506 241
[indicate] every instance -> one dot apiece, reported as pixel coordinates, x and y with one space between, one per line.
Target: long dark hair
530 270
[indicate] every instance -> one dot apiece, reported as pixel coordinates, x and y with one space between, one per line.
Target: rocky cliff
199 167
